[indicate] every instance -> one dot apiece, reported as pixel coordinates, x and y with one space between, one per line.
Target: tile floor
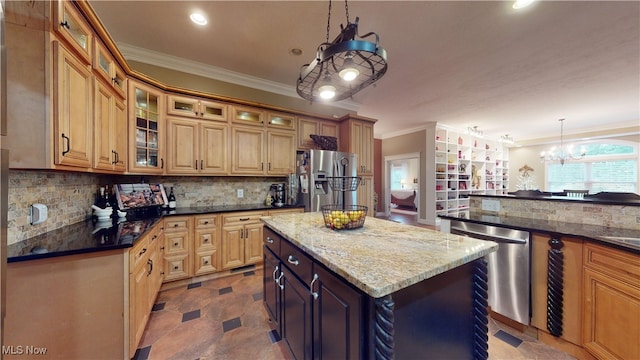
225 319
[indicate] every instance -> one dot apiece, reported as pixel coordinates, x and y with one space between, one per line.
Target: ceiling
460 63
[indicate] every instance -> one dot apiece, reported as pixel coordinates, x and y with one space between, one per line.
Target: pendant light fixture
563 153
342 67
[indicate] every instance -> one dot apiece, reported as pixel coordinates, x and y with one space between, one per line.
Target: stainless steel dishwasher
509 269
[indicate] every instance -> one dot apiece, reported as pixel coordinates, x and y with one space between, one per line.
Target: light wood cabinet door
307 127
71 27
282 121
247 151
329 128
73 112
281 153
214 148
362 136
146 129
611 306
183 146
245 115
253 243
109 126
108 70
232 246
365 194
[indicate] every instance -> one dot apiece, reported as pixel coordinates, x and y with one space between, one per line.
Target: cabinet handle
244 219
154 237
274 274
246 233
115 81
313 293
269 240
162 248
115 157
68 145
196 164
150 263
144 250
293 260
278 281
161 163
65 24
201 164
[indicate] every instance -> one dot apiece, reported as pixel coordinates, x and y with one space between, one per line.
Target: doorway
402 184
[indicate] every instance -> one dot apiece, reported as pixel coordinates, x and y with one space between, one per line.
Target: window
611 166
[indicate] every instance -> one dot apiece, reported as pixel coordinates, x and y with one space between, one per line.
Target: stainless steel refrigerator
317 170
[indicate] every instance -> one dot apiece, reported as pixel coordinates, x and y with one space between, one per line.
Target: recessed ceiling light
295 51
198 18
519 4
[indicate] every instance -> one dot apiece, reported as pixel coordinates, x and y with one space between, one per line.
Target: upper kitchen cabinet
247 152
282 121
72 110
105 67
110 128
356 136
70 25
310 126
196 108
197 147
281 153
146 129
245 115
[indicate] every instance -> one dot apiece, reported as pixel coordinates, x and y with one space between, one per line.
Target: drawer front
176 243
243 217
176 267
205 221
206 239
271 240
205 263
622 265
176 223
297 261
139 253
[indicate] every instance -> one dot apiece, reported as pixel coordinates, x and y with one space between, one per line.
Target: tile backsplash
69 195
619 216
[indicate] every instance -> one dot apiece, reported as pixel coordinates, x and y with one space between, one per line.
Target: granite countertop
91 236
383 256
626 239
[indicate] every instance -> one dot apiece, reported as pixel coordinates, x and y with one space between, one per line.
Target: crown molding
155 58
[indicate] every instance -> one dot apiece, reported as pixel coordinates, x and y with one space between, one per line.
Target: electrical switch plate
490 205
240 193
38 213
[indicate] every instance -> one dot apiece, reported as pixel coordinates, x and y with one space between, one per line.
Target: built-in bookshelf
462 165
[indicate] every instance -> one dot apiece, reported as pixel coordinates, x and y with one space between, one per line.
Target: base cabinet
611 307
316 313
241 239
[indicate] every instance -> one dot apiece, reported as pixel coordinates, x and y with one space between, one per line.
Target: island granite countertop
383 256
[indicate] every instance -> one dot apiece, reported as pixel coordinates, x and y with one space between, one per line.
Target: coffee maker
278 194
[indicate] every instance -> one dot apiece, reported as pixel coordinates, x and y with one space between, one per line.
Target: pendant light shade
346 64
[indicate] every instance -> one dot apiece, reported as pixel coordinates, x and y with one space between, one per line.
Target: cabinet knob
176 267
175 244
206 240
206 262
269 240
206 222
175 225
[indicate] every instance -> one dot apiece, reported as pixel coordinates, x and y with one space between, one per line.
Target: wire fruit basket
343 183
340 217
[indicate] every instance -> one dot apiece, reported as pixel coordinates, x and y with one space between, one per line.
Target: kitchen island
386 290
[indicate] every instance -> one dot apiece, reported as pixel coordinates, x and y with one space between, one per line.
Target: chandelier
506 139
342 67
561 154
474 131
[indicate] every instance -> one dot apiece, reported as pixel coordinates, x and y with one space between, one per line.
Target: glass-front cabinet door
71 27
147 128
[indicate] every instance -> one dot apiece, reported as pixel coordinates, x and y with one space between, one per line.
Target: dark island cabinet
316 313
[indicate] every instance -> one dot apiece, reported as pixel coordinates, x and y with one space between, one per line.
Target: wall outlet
490 205
240 193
